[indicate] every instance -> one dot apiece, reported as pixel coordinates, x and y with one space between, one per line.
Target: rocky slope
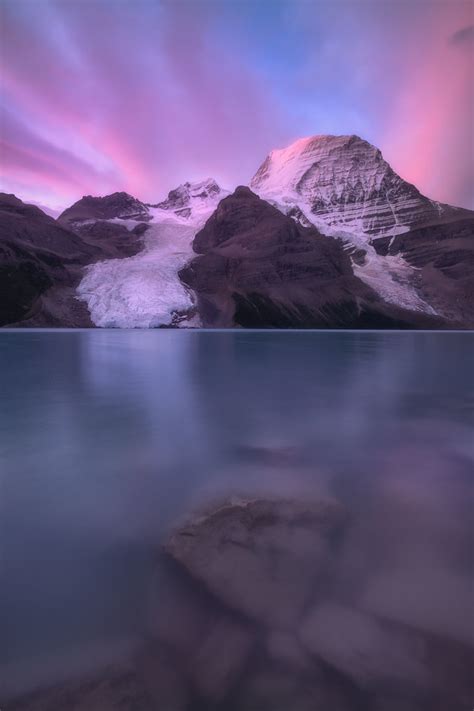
443 256
344 187
116 206
260 268
145 290
344 182
337 239
41 263
35 256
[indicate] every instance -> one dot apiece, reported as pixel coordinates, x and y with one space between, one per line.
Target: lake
108 437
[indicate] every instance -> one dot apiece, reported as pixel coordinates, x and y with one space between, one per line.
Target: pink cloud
153 99
428 134
141 96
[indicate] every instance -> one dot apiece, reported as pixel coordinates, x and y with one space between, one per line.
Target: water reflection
107 437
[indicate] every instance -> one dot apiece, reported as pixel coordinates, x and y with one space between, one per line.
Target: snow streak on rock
346 183
391 276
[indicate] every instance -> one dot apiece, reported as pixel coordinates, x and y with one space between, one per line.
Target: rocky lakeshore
250 615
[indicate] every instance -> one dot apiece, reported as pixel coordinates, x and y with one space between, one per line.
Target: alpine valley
327 235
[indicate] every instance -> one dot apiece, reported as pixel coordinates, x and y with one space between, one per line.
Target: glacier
144 291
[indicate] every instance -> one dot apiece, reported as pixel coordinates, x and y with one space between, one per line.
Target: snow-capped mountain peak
343 186
284 167
192 198
344 182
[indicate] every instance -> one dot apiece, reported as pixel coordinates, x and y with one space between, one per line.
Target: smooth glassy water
108 437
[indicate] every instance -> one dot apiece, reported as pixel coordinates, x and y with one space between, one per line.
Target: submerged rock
117 690
163 679
206 641
286 649
221 658
367 650
272 687
260 557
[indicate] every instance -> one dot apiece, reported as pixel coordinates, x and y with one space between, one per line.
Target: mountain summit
191 199
345 183
117 205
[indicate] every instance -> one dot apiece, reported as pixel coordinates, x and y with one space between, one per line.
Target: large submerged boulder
262 558
246 614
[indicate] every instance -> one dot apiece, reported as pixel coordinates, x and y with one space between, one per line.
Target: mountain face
344 187
344 182
111 261
259 268
41 263
34 254
330 236
190 199
116 206
443 256
145 291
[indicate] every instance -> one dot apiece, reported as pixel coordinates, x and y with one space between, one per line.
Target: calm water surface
107 437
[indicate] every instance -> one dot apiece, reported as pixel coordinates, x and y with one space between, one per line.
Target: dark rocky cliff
41 263
259 268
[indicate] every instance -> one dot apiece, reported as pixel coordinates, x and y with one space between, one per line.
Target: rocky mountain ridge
187 196
258 268
119 205
42 262
343 186
345 183
328 223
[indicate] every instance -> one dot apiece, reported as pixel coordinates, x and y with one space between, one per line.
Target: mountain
34 252
50 211
30 226
120 206
327 236
191 199
133 253
259 268
442 257
345 183
145 291
42 261
344 187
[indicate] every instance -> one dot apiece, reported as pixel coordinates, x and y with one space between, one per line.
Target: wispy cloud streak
104 95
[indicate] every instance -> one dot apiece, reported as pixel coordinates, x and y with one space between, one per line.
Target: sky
99 96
